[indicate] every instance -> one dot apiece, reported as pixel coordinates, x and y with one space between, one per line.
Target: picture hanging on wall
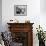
20 10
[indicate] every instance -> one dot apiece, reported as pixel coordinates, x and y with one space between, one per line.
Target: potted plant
41 36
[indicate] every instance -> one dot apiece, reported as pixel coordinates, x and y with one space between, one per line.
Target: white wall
43 14
43 6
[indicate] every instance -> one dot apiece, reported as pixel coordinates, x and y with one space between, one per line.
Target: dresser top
19 23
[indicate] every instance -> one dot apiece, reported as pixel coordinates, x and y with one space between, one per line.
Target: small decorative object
14 21
27 21
11 20
41 36
20 10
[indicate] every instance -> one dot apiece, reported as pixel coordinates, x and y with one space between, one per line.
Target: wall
43 6
33 14
0 15
43 14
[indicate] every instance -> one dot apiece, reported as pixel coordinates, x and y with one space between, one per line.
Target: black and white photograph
20 10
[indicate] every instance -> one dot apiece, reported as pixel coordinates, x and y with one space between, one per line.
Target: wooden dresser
22 33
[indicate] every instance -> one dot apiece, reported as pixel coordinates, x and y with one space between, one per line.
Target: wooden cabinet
22 33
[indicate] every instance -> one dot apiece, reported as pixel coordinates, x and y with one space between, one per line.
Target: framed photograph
20 10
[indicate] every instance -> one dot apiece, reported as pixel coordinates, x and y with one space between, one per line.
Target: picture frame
20 10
